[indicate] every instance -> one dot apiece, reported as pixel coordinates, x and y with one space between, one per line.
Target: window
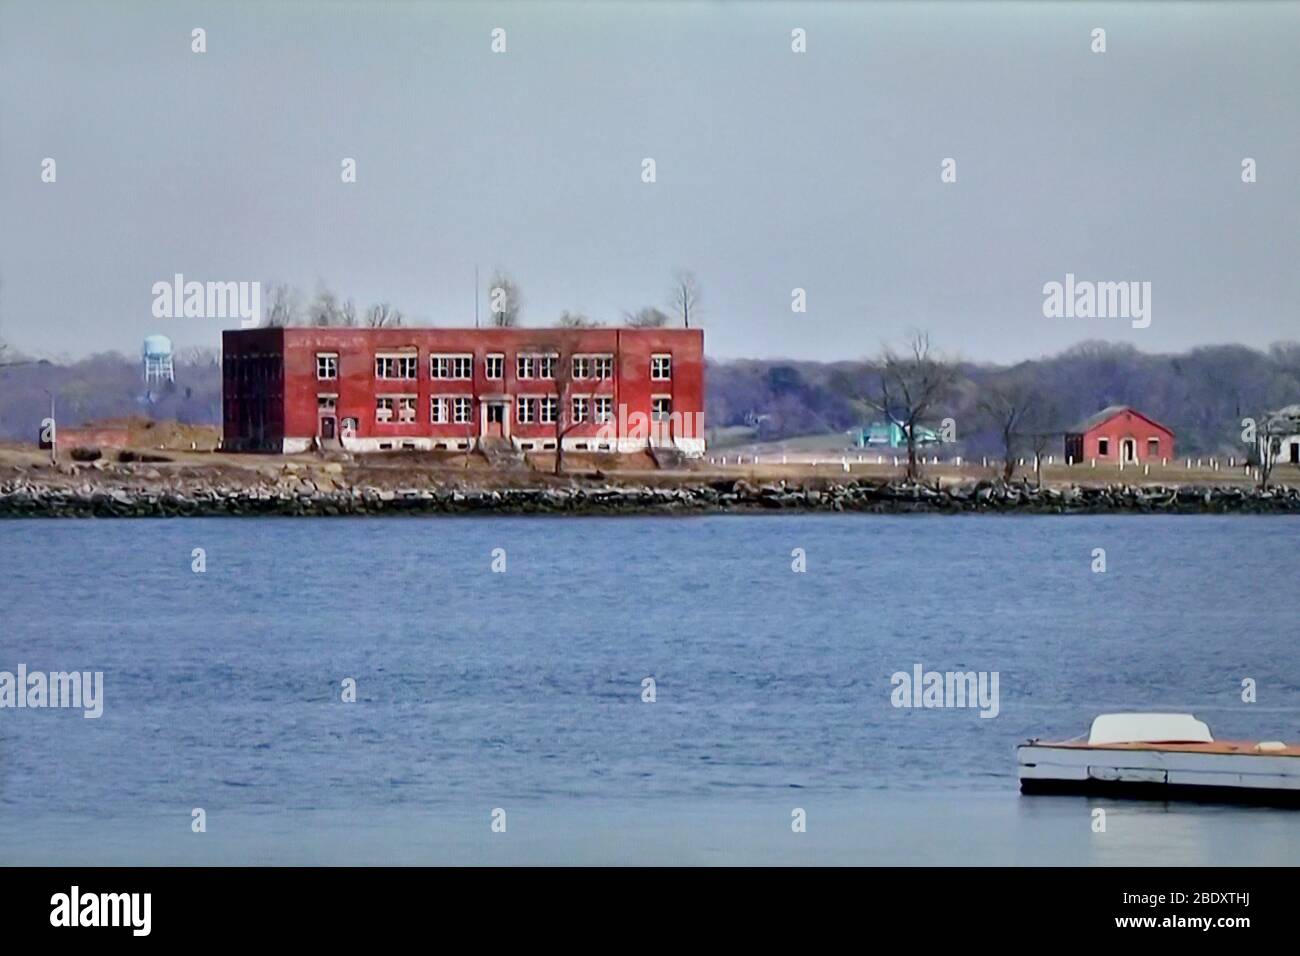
661 368
604 366
494 366
327 365
1153 447
396 366
439 410
525 411
406 408
661 406
383 409
451 366
461 409
327 403
546 366
550 410
604 408
582 366
580 403
1103 447
525 366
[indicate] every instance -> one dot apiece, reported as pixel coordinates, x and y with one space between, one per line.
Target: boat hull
1153 773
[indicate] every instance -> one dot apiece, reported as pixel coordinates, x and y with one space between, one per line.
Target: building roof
1106 414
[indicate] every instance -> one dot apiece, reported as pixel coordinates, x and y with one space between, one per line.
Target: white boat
1162 757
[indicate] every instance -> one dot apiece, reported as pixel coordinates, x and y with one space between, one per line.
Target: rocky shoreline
24 498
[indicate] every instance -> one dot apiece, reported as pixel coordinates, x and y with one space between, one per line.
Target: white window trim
544 401
469 409
400 357
494 355
327 355
536 358
451 358
661 378
531 403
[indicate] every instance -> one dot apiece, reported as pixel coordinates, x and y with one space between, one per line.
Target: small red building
360 389
1119 434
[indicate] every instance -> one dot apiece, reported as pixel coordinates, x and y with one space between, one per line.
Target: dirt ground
424 469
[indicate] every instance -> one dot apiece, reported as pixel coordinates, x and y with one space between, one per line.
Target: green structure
891 435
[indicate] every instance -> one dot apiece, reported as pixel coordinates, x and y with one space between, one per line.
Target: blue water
522 690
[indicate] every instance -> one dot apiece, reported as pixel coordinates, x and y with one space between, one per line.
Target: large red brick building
601 389
1119 434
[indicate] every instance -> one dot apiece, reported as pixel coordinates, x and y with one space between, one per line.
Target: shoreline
190 497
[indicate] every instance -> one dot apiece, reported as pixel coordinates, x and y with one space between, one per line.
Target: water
522 690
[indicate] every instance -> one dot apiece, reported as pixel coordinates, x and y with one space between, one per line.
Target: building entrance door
327 428
1128 449
496 420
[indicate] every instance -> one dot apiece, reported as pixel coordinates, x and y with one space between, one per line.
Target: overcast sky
775 170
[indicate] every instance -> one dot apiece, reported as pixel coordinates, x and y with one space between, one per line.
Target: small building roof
1106 414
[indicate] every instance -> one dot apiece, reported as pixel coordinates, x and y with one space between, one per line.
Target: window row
543 410
460 367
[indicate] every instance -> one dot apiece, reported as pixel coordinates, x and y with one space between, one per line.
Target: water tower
158 359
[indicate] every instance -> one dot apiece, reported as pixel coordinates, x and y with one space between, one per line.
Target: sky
774 170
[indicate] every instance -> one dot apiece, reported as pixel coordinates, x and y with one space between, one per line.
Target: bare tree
324 309
575 320
200 356
281 306
910 388
1042 437
565 420
505 301
647 318
383 316
348 314
1007 404
684 298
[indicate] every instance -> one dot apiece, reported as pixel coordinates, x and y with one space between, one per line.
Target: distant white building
1285 422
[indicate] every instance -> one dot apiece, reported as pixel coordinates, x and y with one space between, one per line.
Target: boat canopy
1149 729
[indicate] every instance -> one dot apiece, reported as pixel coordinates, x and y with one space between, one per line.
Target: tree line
1204 394
285 305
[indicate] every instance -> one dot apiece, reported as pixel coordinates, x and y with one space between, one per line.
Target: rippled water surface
523 690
